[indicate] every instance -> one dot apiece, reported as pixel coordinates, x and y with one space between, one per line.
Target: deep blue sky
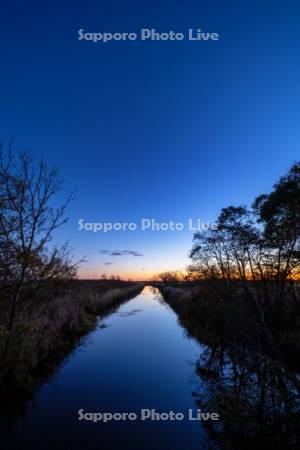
169 130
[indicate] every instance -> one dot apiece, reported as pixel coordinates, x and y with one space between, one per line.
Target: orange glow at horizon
84 274
146 275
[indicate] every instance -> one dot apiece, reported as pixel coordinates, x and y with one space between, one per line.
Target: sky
163 130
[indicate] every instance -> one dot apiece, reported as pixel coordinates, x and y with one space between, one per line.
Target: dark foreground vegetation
52 324
47 329
215 314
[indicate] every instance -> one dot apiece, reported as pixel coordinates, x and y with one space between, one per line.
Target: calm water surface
138 357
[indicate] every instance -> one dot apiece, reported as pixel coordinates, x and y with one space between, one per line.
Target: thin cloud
121 252
132 253
108 263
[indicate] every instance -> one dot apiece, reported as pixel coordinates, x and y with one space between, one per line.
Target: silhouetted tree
169 277
257 249
279 213
27 224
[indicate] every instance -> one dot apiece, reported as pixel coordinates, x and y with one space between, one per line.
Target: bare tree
169 277
27 224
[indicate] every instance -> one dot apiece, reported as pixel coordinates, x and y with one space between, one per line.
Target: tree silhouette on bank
27 225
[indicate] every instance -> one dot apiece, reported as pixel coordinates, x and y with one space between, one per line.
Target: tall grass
216 316
46 330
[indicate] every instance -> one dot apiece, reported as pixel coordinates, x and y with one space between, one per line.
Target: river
137 358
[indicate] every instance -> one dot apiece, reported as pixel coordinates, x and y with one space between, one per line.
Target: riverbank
49 326
218 316
248 375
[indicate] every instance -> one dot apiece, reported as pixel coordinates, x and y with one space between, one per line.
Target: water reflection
130 313
258 402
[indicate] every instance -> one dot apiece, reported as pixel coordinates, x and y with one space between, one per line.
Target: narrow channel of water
138 358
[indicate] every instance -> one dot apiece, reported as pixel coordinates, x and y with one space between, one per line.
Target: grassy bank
50 326
215 315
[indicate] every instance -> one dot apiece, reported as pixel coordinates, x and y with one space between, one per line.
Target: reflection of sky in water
130 313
